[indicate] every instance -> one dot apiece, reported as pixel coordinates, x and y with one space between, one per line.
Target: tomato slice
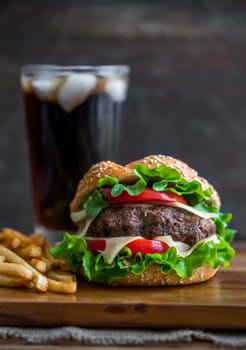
96 245
147 246
140 245
147 196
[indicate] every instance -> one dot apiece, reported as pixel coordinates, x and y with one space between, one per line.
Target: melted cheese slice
77 216
202 214
115 244
84 228
184 249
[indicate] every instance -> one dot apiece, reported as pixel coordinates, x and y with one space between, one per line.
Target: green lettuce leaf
222 230
164 178
71 249
132 190
94 204
74 251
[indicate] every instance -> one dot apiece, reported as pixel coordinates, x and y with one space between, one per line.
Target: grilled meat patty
149 221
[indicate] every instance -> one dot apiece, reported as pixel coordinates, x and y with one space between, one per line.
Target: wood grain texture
196 345
218 303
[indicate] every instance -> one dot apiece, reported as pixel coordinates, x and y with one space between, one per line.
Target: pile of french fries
26 261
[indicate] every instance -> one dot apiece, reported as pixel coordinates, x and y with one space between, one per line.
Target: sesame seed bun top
124 174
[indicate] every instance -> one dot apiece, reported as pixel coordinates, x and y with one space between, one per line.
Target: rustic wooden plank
218 303
173 346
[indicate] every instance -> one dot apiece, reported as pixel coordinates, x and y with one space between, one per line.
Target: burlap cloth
92 336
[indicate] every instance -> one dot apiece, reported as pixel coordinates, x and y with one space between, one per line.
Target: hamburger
152 222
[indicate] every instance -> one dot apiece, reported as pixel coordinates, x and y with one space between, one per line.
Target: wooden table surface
171 346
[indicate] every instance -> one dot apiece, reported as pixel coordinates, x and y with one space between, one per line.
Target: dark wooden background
187 96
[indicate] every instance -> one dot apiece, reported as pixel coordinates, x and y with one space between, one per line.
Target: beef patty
149 221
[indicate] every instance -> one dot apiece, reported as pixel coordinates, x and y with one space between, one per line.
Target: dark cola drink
73 121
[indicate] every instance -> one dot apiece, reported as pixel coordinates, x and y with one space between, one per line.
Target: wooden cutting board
218 303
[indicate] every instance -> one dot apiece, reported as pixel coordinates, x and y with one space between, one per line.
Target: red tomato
141 245
96 245
147 246
147 196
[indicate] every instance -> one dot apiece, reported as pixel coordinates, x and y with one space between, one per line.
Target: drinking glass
73 116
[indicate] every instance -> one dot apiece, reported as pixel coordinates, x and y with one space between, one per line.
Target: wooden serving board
218 303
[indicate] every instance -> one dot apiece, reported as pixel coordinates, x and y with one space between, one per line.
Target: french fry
25 261
46 251
48 258
38 239
39 281
61 276
39 265
47 262
16 242
30 251
17 270
11 243
12 281
9 233
2 258
67 287
60 265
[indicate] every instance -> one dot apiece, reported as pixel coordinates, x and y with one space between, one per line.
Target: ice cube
26 83
46 88
116 88
75 90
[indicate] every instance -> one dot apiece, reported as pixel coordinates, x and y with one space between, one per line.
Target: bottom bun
153 276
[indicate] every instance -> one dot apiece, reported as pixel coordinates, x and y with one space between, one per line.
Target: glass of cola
73 116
